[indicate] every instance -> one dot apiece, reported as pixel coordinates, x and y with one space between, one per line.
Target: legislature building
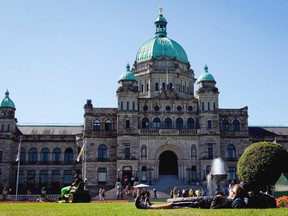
168 122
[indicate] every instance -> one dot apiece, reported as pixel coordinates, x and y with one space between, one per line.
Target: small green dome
206 76
7 102
127 75
161 45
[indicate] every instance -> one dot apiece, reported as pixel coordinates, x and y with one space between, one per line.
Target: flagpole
18 169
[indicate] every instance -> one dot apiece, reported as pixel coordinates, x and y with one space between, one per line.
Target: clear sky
56 54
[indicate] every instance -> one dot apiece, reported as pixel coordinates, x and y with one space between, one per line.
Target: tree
262 163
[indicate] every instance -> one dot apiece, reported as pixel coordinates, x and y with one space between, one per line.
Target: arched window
236 125
97 125
193 152
168 123
225 125
68 155
156 86
56 155
156 123
32 155
44 156
143 152
190 123
179 123
102 151
145 123
108 125
23 154
231 153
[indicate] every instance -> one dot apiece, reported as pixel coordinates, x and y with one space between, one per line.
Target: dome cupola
7 102
206 76
161 45
127 75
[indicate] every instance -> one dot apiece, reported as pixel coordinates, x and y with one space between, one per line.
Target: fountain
217 175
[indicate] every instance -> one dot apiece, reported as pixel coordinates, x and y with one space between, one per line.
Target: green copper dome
7 102
127 75
161 45
206 76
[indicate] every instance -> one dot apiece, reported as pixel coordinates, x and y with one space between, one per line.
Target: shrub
262 163
282 202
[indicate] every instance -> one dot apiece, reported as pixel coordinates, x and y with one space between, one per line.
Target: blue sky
56 54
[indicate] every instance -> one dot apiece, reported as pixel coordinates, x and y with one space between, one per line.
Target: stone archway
168 163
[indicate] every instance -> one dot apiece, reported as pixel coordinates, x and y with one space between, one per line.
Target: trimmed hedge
262 163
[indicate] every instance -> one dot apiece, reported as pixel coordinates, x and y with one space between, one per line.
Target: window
44 156
142 88
194 173
190 108
102 175
108 125
1 155
22 155
236 125
145 123
231 154
225 125
163 85
21 177
179 108
97 125
156 86
210 150
67 177
145 108
168 123
56 155
31 176
156 123
179 123
209 124
127 153
43 177
214 105
102 151
127 106
208 106
133 105
156 108
127 124
231 173
68 155
121 105
33 155
168 108
55 177
203 106
190 123
147 87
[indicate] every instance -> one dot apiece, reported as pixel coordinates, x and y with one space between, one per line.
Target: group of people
185 192
239 197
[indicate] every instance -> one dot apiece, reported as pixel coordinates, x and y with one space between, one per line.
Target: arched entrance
168 163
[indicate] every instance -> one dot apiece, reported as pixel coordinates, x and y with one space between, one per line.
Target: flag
19 152
81 153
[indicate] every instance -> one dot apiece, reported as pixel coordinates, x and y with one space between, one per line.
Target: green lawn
82 209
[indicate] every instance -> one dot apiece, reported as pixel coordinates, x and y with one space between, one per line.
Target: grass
121 209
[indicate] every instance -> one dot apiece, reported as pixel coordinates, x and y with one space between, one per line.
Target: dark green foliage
262 163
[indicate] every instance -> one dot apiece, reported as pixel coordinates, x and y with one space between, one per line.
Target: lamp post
136 173
118 174
150 173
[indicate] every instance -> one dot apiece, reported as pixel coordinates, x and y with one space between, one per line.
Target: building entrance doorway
168 163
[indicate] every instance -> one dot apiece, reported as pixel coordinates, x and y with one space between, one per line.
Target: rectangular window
68 177
43 177
203 106
133 105
121 105
231 173
210 150
55 177
127 108
127 153
31 176
208 106
1 155
209 124
21 177
214 106
127 124
102 175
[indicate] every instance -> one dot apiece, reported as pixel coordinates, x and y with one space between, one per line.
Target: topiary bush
262 163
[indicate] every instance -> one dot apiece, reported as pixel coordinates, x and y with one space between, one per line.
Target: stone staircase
163 187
